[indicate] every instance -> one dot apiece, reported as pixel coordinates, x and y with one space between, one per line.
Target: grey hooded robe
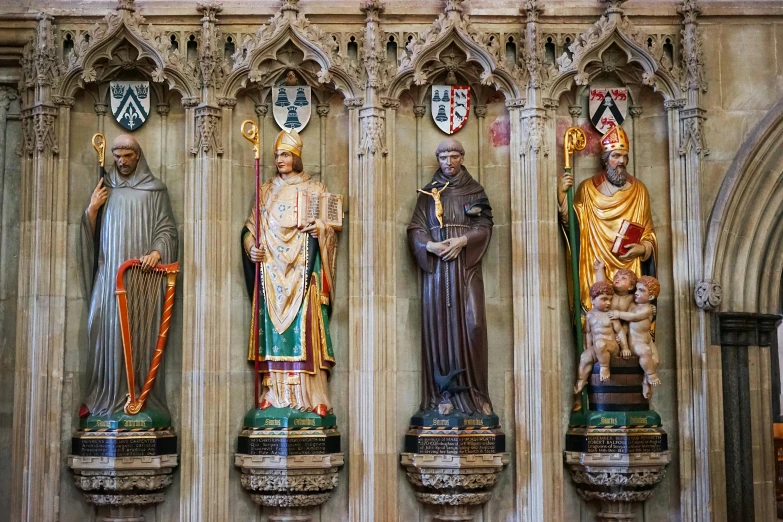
136 219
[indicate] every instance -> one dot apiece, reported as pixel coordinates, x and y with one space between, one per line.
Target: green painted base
609 419
287 418
433 419
146 419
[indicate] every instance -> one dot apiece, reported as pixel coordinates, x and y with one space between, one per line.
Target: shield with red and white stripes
450 107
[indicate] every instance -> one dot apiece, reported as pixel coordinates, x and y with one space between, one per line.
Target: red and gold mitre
615 139
290 141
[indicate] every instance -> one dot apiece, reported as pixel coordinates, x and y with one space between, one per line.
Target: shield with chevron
608 107
130 103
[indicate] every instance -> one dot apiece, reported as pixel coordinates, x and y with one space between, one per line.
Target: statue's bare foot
654 379
605 373
626 353
580 384
646 388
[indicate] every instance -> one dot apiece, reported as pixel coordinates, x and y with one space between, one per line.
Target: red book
628 234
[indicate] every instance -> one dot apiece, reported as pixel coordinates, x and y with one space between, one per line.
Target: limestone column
535 240
40 332
261 111
323 111
7 95
419 111
206 432
481 113
100 112
372 441
163 112
635 111
701 478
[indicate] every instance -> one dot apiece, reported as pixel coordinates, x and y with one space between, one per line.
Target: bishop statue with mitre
615 220
296 288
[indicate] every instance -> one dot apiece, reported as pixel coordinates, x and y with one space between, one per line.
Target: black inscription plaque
454 444
288 446
123 446
617 443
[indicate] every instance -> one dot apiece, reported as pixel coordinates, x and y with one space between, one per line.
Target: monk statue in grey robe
449 235
131 211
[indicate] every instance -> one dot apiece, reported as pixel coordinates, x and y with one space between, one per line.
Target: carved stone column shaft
208 266
371 264
40 328
535 237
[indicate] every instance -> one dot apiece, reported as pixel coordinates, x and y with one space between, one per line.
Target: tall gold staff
250 133
575 140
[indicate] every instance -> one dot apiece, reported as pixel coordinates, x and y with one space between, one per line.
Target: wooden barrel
623 390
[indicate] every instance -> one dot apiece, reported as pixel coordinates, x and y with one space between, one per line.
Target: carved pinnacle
125 5
372 9
615 6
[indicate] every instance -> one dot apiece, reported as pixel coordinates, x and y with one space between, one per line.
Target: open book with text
324 206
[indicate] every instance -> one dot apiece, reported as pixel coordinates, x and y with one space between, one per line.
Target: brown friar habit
454 327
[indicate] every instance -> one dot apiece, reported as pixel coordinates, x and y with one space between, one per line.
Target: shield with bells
608 107
292 106
130 103
450 107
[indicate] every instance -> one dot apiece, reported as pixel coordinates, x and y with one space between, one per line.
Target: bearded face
616 173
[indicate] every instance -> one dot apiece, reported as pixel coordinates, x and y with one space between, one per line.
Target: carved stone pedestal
119 471
289 484
454 482
616 479
120 486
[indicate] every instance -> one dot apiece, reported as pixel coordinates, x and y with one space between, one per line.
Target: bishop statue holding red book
615 220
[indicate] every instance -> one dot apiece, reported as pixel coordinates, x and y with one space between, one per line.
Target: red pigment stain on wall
500 132
593 136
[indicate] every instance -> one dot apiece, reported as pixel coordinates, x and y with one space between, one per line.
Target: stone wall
743 68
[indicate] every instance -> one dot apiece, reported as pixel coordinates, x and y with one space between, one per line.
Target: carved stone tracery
261 57
453 44
207 130
98 44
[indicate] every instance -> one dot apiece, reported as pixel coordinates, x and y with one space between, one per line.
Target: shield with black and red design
450 107
608 107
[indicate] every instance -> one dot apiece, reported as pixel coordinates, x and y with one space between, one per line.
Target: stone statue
137 223
604 336
449 235
603 204
297 285
641 316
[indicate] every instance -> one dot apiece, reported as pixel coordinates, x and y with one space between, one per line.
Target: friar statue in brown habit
449 235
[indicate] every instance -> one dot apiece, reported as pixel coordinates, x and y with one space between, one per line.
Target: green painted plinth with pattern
146 419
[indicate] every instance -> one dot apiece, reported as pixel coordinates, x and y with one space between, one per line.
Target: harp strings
143 294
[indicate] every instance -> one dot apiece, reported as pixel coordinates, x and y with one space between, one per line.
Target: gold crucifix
435 194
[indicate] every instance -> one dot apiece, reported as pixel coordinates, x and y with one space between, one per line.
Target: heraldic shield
292 106
450 107
130 103
608 107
